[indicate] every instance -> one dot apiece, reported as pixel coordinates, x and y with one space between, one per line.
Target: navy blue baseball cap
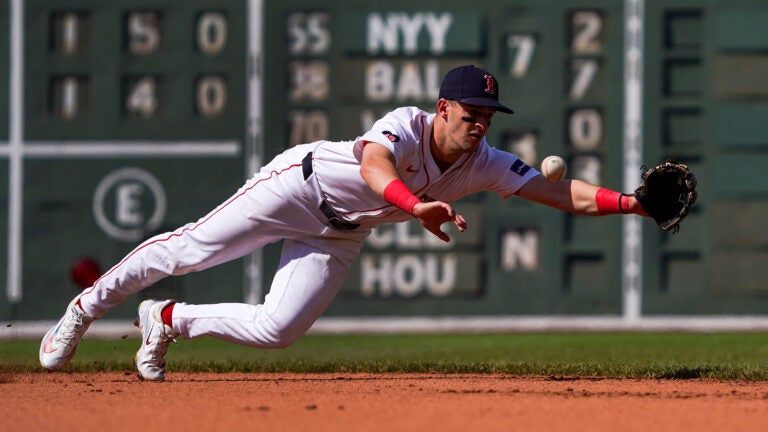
472 86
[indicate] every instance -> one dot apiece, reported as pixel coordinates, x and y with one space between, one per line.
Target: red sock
167 314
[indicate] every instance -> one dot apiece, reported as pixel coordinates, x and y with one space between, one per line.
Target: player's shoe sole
60 342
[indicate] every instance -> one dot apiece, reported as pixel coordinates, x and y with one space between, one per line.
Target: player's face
468 124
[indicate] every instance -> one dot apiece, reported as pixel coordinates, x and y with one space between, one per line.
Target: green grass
730 356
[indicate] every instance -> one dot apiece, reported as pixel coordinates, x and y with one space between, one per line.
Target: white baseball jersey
283 201
406 133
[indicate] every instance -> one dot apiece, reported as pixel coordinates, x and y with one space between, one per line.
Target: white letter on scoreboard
382 36
379 81
374 275
128 203
438 28
520 250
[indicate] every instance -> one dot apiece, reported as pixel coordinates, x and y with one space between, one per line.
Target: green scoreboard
120 119
331 71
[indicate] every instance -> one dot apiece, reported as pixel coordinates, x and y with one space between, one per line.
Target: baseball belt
333 219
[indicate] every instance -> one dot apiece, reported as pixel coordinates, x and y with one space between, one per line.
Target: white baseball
553 168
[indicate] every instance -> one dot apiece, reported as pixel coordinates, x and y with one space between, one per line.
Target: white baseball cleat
60 342
155 337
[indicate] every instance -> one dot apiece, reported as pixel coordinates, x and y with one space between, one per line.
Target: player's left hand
435 213
667 193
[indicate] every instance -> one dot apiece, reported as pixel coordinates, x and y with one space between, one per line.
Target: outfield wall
122 119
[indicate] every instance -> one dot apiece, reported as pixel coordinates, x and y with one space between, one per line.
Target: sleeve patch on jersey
519 167
391 137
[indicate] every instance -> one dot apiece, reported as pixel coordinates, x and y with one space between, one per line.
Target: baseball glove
667 193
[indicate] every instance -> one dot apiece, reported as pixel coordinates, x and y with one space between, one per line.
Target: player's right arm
378 166
378 170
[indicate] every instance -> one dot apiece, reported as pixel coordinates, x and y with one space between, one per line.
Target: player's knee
282 335
284 338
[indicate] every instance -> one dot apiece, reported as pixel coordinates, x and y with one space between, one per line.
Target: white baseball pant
277 203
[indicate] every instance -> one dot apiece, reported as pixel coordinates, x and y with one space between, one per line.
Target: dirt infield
363 402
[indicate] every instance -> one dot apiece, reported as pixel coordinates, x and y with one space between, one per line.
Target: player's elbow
367 172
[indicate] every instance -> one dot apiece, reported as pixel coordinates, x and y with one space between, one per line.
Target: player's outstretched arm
576 196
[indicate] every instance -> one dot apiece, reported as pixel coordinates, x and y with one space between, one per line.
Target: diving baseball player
323 199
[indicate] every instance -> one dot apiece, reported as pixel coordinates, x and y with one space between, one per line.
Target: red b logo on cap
490 84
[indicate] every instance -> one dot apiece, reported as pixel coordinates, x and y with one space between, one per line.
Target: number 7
523 47
584 75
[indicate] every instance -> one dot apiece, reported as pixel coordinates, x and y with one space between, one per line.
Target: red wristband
611 202
397 193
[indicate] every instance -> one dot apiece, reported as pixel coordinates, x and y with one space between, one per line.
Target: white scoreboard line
15 165
632 229
123 149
